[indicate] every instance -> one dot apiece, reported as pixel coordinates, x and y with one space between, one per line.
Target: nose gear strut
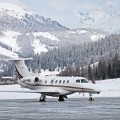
90 98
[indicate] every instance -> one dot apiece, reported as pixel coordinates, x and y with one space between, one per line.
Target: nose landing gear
90 98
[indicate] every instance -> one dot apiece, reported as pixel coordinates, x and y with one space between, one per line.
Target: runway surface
71 109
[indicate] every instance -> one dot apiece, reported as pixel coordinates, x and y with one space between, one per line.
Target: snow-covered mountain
21 19
105 17
27 32
37 42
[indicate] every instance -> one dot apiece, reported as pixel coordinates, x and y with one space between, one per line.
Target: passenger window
67 81
63 81
56 81
84 81
77 81
45 81
52 81
60 81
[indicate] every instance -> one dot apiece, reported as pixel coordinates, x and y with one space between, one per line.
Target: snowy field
109 88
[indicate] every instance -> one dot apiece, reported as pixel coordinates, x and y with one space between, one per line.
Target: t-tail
21 68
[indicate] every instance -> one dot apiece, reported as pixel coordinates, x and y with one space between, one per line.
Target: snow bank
12 95
109 88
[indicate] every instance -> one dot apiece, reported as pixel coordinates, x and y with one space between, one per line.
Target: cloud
70 5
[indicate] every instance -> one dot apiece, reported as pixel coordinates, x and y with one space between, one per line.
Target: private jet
54 86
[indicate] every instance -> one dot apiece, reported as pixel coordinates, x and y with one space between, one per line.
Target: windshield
81 81
84 81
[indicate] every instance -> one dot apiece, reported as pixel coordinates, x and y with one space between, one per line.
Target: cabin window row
58 81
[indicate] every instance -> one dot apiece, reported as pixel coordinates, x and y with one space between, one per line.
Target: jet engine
31 80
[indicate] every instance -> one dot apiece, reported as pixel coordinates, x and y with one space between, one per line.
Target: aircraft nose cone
95 88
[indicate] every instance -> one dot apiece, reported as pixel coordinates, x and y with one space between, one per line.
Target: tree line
79 55
94 60
104 69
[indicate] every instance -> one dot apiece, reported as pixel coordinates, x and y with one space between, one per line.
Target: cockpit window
84 81
77 81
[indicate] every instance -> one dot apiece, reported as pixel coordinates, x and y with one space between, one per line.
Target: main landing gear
61 97
90 98
42 98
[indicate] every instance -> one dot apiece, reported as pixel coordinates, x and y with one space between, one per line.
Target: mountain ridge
105 17
39 33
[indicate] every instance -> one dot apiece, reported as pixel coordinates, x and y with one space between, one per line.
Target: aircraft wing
34 91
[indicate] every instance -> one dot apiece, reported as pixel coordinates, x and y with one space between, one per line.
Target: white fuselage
60 85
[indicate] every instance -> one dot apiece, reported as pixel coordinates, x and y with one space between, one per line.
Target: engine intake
36 79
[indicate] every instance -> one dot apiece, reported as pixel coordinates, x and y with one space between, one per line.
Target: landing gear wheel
61 98
42 98
91 99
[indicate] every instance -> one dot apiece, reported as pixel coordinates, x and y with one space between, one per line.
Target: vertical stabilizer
21 68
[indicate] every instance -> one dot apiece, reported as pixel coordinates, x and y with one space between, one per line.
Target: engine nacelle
37 81
31 80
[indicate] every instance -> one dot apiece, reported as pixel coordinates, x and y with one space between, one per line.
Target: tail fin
20 66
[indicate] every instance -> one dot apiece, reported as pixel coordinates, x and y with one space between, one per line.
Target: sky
63 11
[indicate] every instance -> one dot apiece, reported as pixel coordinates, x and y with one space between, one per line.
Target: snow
104 17
38 46
13 10
71 32
81 31
8 53
109 88
49 73
12 95
96 37
46 35
10 38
